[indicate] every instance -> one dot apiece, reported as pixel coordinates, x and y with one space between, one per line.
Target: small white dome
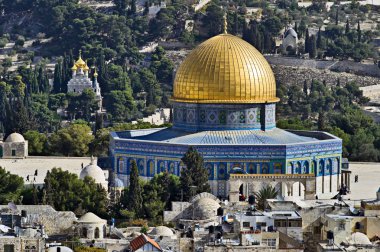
162 231
95 172
15 138
62 248
91 218
358 238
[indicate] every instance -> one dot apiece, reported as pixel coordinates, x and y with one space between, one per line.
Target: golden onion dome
86 68
225 69
95 74
74 68
80 62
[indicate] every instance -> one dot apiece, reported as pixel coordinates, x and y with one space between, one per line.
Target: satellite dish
12 206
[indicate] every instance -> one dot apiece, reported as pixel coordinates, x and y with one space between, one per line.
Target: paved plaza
369 180
28 166
365 188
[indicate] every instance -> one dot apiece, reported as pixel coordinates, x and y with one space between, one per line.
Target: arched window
151 168
222 172
305 167
141 167
252 169
321 167
121 167
84 232
264 169
210 169
104 231
172 168
96 233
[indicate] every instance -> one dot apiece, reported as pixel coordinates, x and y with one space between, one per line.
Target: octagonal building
224 105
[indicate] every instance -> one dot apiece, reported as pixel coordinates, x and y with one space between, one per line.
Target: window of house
13 152
246 224
261 224
269 242
342 225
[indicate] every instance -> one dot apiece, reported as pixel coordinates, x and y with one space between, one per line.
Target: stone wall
55 222
291 75
344 66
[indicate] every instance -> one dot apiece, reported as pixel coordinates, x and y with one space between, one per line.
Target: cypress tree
347 27
133 7
312 47
246 33
135 190
236 24
296 27
103 75
4 91
57 81
194 177
305 88
319 39
34 84
146 8
359 32
321 120
337 16
307 41
267 42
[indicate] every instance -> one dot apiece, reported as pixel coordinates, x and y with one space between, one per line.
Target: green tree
359 31
213 20
263 195
11 187
66 192
312 47
194 177
58 77
135 200
307 41
347 29
71 141
36 142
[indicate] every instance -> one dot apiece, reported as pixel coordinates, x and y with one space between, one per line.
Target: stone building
15 146
224 105
80 80
201 208
90 226
18 244
289 42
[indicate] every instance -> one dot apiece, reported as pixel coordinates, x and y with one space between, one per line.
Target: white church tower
80 80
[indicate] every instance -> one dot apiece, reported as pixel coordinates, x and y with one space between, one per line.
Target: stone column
234 190
310 189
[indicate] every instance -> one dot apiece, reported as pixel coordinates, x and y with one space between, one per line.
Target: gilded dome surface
225 69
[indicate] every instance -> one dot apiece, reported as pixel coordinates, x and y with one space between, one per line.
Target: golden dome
80 63
225 69
74 68
95 74
86 68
